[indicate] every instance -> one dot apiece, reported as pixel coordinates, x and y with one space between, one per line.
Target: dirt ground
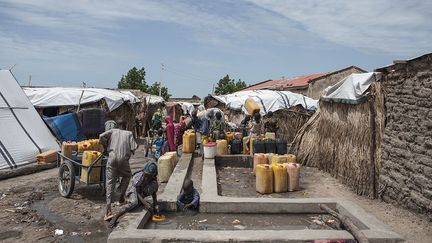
314 183
31 209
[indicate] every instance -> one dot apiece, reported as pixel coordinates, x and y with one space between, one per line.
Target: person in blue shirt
189 199
143 184
159 142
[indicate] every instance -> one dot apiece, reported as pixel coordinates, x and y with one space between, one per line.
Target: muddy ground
314 183
31 209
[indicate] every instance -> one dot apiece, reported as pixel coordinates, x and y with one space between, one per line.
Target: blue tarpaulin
65 127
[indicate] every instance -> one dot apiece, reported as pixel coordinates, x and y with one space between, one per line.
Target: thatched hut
290 110
343 137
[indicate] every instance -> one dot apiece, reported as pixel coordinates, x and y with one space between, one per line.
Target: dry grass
344 140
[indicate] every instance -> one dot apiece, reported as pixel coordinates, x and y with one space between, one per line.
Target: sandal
108 217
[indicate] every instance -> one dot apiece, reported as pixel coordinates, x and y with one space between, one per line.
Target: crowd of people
119 145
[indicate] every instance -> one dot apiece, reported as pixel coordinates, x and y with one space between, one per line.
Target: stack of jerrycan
88 158
165 167
280 177
189 140
67 149
264 179
94 145
221 147
258 159
251 106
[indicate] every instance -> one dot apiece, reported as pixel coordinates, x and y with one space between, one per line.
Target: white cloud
399 27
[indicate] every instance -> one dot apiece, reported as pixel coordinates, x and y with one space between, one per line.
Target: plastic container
84 146
293 170
221 147
68 148
281 146
174 158
251 106
87 159
259 146
280 175
264 179
291 158
94 144
270 135
229 136
165 167
270 146
189 141
209 150
259 159
269 157
279 159
236 146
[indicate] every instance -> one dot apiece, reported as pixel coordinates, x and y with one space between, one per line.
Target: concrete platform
131 230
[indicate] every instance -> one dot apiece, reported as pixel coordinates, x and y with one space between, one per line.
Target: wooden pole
347 222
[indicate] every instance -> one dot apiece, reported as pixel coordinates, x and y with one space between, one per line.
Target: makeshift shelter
60 100
290 110
23 134
145 110
344 136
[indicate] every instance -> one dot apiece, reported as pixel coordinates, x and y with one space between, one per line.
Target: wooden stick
347 222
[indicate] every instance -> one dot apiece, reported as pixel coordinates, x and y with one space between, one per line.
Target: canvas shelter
23 134
290 110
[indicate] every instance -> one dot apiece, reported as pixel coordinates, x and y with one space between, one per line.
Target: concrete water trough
214 222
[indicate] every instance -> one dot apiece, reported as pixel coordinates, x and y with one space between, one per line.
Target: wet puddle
204 221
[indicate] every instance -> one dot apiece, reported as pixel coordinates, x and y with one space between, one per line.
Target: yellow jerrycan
291 158
87 159
165 167
264 179
221 147
251 106
189 141
280 177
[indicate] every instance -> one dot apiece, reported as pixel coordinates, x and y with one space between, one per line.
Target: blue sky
65 43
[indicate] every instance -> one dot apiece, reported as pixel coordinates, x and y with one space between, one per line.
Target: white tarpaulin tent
352 89
23 134
269 100
49 97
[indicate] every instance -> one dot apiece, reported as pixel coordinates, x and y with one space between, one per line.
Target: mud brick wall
406 174
318 85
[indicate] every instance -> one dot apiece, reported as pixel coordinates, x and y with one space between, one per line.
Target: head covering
110 124
151 168
168 119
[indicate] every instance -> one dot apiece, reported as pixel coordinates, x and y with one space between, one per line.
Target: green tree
134 79
154 90
228 86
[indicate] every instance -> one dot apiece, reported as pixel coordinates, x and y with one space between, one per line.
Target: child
189 198
143 184
158 142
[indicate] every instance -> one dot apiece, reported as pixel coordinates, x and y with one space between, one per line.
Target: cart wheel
66 179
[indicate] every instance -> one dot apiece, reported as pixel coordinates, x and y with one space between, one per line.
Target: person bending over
143 184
